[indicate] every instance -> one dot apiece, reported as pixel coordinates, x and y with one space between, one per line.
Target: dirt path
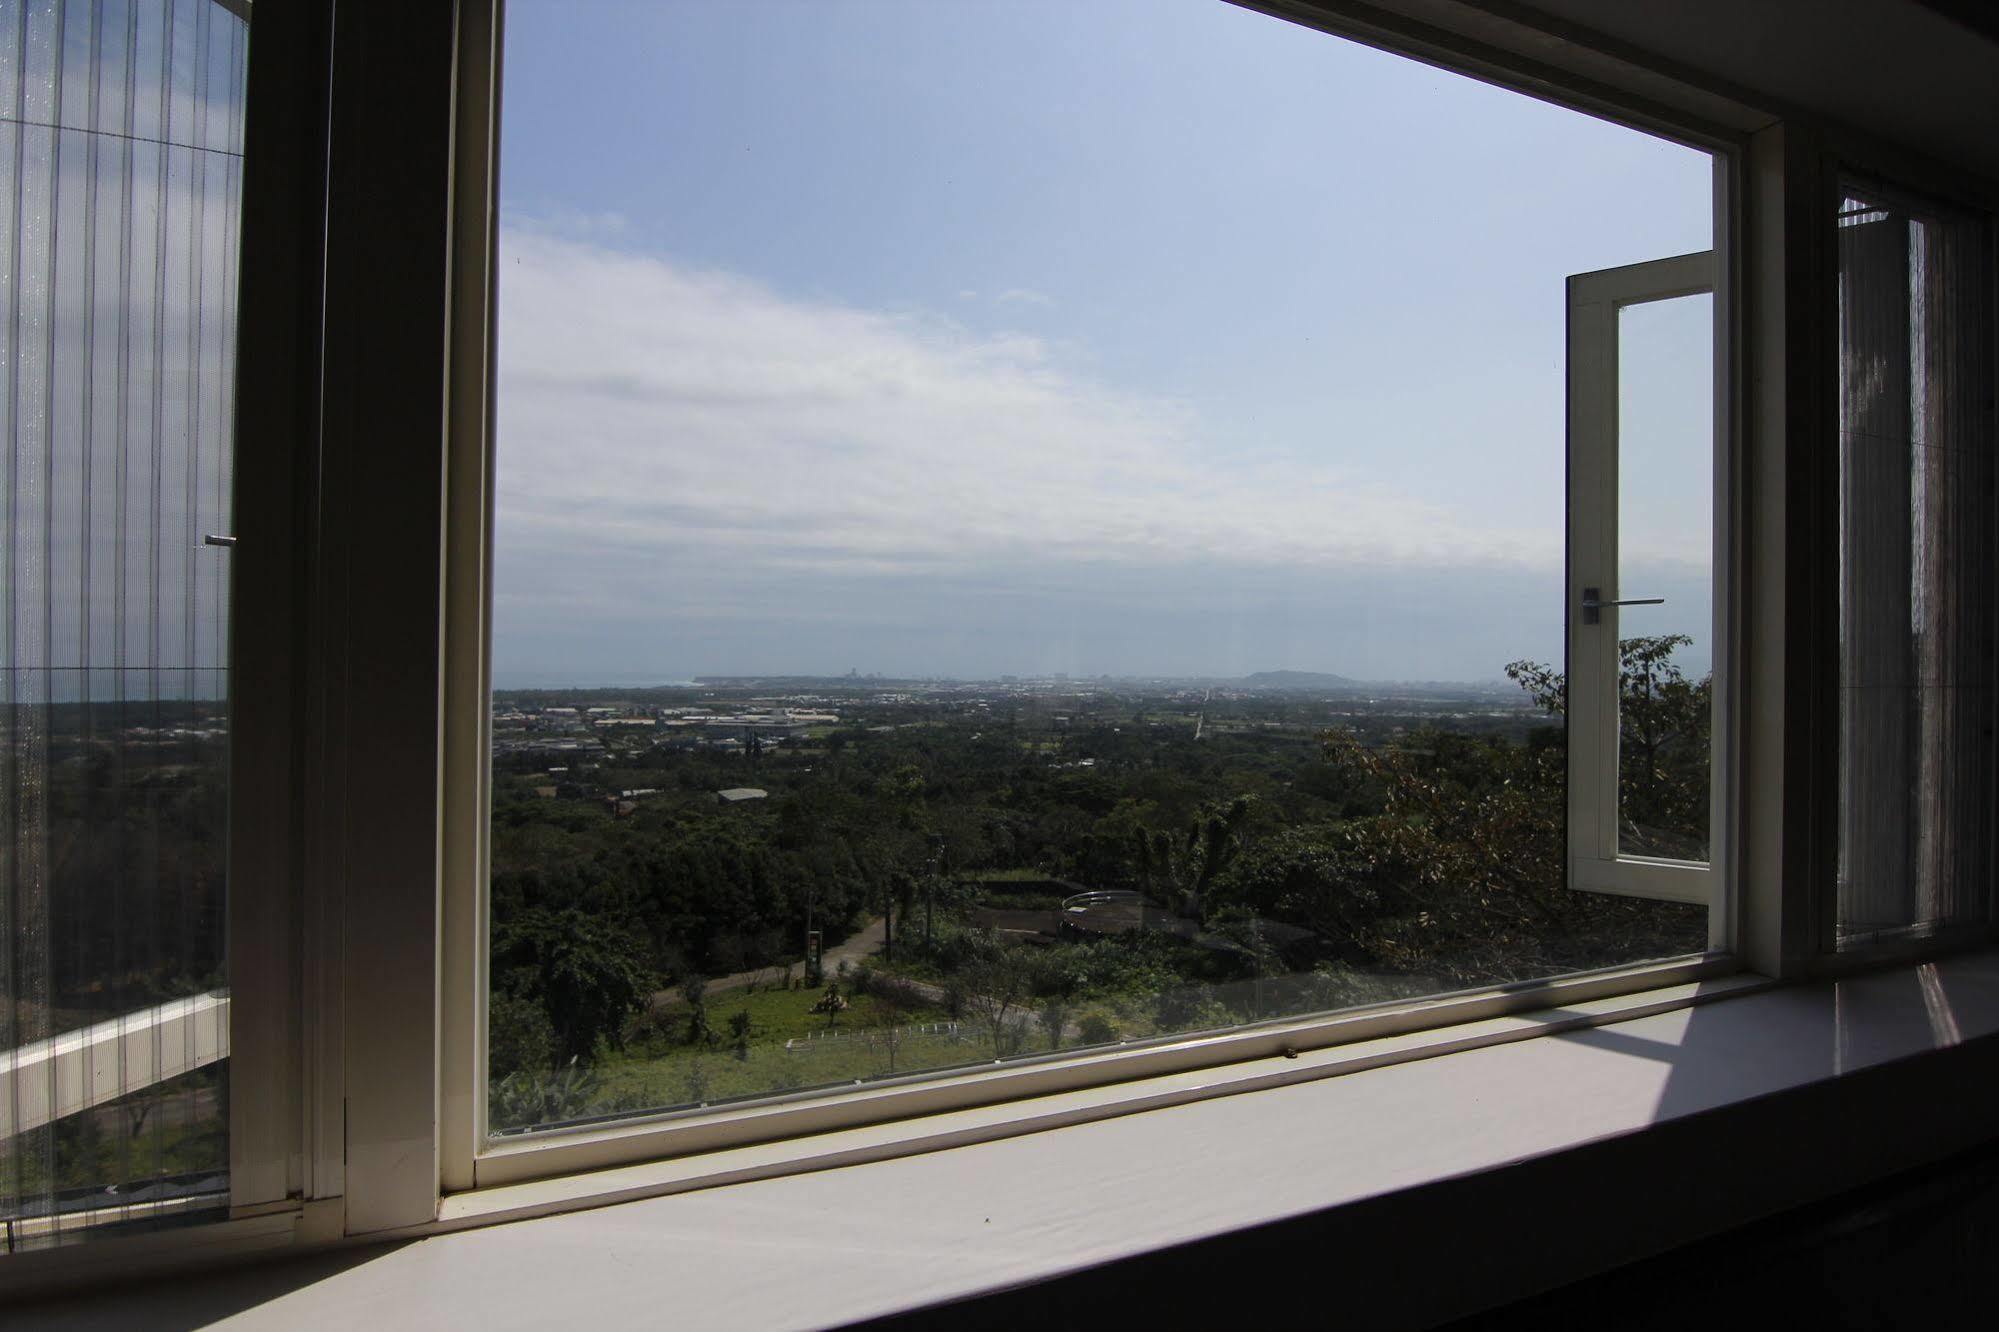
857 946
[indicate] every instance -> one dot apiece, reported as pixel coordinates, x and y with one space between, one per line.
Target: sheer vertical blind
1917 513
121 126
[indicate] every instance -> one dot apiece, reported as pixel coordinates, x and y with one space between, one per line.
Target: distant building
737 795
781 723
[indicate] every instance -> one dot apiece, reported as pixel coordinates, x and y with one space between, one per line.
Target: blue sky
1128 336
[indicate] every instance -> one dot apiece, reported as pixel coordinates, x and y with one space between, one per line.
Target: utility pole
811 934
930 888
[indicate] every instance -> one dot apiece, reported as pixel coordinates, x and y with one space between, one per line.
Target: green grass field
856 1045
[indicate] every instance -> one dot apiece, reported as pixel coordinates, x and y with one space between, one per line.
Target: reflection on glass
1665 526
965 592
120 191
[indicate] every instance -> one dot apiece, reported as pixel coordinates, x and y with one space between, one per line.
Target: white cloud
650 412
1024 296
577 224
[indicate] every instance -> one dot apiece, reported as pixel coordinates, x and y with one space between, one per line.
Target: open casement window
1640 578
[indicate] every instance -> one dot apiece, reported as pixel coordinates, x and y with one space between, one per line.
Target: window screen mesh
120 185
1916 564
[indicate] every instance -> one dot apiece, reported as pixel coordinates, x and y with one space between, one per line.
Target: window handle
1593 607
217 539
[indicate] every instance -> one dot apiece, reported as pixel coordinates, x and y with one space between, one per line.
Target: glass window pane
1665 540
1025 527
120 181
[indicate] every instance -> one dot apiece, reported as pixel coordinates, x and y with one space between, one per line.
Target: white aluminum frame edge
465 807
1729 739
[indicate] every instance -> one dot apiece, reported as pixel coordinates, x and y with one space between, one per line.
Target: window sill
1524 1164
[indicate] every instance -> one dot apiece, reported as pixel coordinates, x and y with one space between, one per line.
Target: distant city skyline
557 681
1156 338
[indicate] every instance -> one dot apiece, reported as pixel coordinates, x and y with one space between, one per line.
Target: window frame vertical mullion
383 494
278 1128
467 759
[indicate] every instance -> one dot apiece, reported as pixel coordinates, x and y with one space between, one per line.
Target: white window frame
1595 861
469 1157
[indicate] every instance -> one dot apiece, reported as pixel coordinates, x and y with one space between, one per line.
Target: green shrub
520 1036
1096 1029
1192 1008
541 1096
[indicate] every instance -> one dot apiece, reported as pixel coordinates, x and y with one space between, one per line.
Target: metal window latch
1593 607
217 539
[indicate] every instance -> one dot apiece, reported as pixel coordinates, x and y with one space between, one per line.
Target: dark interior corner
1916 1250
